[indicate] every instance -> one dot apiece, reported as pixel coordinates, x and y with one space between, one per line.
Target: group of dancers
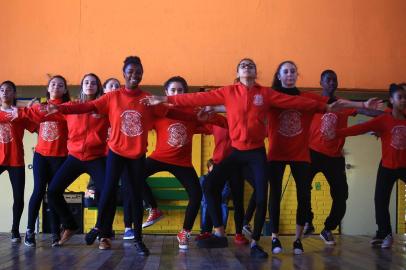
104 133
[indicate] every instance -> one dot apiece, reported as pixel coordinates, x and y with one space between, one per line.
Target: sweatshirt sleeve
181 115
218 120
30 125
214 97
77 108
283 101
371 125
206 129
4 118
162 111
314 96
34 114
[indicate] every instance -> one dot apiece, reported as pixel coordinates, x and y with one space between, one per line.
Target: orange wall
363 40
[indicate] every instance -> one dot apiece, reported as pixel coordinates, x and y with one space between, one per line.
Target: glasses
248 66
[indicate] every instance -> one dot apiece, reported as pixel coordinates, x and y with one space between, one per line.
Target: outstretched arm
371 125
72 108
369 112
215 97
284 101
370 104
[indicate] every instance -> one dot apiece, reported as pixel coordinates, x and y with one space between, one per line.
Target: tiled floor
351 252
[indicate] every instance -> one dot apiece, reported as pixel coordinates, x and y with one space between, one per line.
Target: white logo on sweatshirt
290 123
177 135
258 100
328 126
131 124
49 131
5 133
399 137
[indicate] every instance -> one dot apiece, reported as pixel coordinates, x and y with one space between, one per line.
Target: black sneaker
297 247
213 242
141 248
15 237
55 240
247 230
377 240
328 237
91 236
258 252
387 241
308 229
276 246
29 239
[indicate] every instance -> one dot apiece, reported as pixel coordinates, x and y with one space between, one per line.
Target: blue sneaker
128 235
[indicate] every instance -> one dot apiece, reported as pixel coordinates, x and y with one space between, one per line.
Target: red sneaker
154 216
240 239
183 238
202 236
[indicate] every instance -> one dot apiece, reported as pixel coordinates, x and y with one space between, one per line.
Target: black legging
44 168
333 169
249 213
70 170
255 160
300 172
236 182
187 177
128 200
115 166
385 180
17 179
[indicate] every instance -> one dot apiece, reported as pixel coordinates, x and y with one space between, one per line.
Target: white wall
364 155
6 197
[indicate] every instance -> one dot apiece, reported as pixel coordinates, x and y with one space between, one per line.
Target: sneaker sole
183 247
247 232
277 250
15 240
128 237
29 245
297 251
180 245
385 246
150 223
327 242
142 253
